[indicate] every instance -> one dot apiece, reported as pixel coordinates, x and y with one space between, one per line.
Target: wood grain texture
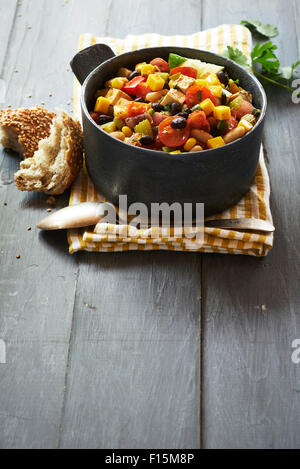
127 373
8 12
134 372
104 351
37 291
251 307
139 349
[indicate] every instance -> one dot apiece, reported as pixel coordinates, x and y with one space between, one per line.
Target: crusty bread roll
58 160
22 129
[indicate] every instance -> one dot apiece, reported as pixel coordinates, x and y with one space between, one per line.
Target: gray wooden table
144 350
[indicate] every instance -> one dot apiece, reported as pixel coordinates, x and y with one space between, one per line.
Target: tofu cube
173 96
121 108
183 83
114 95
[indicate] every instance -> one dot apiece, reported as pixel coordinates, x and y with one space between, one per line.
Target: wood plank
134 379
8 15
37 291
134 372
250 386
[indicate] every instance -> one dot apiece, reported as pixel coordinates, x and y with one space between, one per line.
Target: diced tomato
94 116
131 86
198 120
142 90
188 71
232 124
245 108
158 118
172 137
196 94
134 108
161 64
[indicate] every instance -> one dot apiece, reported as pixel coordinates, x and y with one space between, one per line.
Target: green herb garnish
263 55
266 30
236 55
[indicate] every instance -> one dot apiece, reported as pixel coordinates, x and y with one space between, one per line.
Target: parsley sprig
264 62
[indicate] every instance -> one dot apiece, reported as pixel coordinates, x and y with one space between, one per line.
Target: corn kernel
246 124
222 113
102 105
138 66
155 82
117 83
176 151
212 79
127 131
201 82
190 143
215 142
147 69
216 90
207 106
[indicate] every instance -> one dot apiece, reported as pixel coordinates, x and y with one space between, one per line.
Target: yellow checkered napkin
108 238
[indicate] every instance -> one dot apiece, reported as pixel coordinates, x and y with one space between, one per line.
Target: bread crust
36 174
74 154
28 126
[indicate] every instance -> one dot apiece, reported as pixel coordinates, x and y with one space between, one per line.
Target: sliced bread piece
58 160
22 129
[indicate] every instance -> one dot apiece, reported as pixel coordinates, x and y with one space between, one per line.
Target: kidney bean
155 96
201 136
234 134
118 135
196 148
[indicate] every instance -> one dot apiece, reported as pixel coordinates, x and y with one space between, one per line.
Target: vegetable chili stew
183 105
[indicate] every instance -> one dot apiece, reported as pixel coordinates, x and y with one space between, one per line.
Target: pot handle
88 59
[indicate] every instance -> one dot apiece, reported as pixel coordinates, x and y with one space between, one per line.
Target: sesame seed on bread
22 129
58 160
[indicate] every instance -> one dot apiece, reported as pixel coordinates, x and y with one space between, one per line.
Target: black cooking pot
218 178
